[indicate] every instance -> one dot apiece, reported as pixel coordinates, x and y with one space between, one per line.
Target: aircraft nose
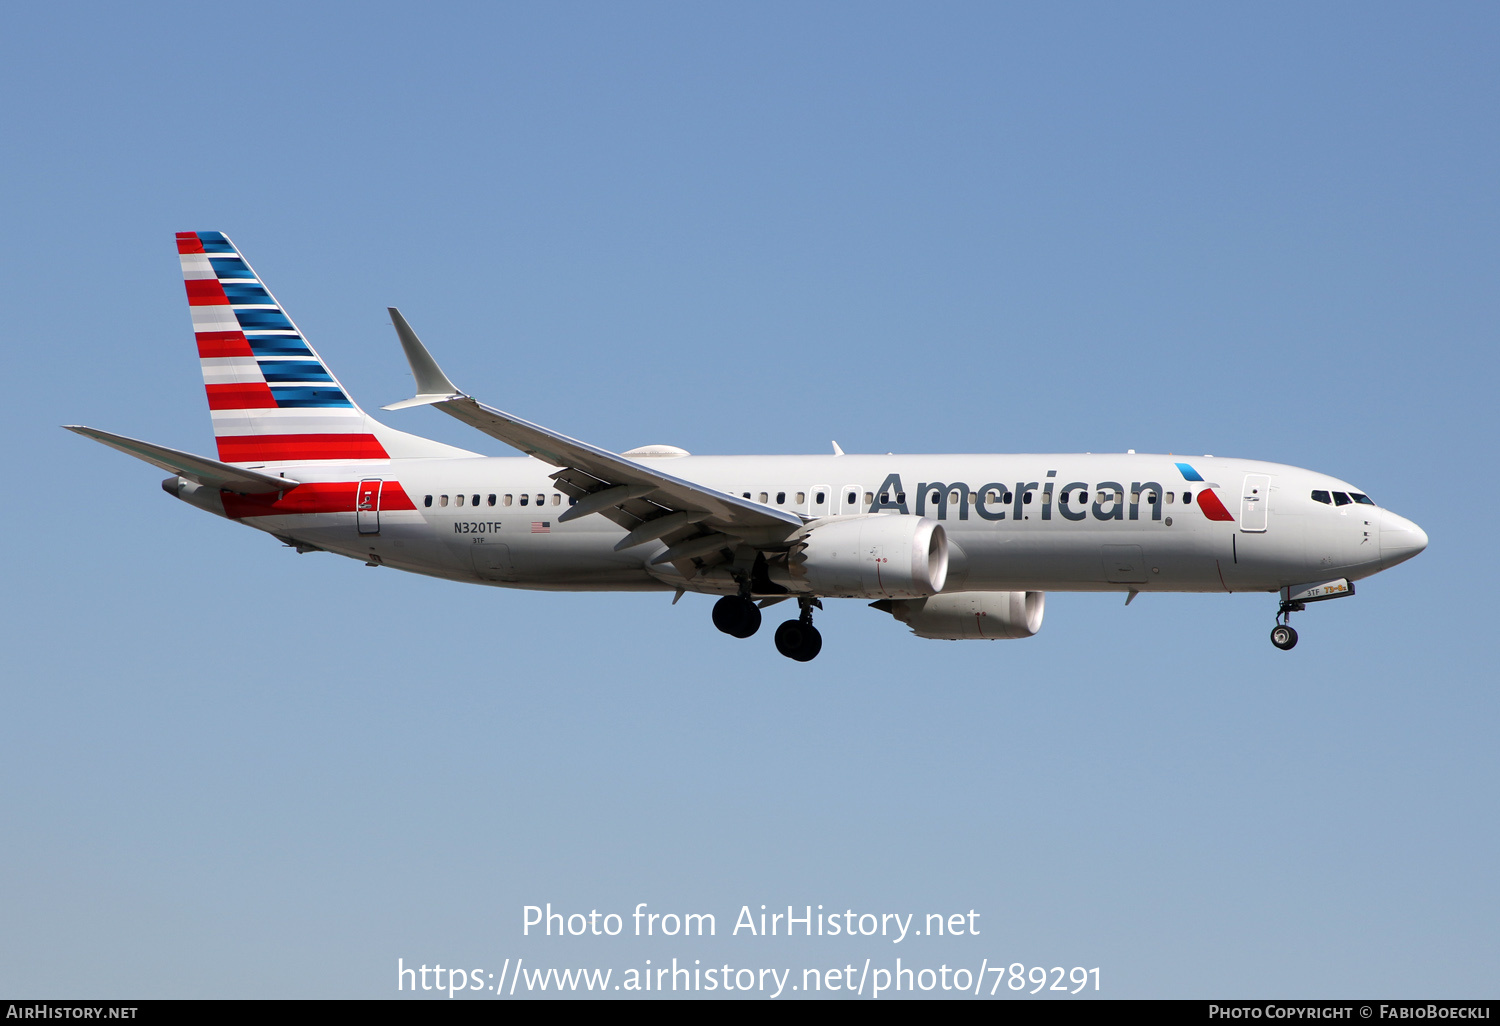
1400 539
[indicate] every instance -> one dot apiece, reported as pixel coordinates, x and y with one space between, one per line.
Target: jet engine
990 615
870 556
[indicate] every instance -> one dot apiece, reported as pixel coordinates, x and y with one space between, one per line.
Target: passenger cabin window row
993 495
527 499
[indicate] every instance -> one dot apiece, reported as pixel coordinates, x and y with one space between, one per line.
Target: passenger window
572 501
1187 498
821 497
442 500
1323 497
1171 497
869 498
475 502
744 495
885 497
541 500
1363 500
1340 499
458 500
762 496
427 501
491 501
780 498
801 498
557 498
1009 497
900 497
852 498
525 499
505 501
1151 498
1026 499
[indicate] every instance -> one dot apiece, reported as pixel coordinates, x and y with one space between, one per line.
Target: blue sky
227 770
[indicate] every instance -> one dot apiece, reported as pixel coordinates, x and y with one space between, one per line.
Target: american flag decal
541 527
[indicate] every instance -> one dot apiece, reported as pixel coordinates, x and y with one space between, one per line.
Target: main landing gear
736 616
739 617
798 639
1283 635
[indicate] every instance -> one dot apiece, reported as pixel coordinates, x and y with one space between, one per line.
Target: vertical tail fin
271 397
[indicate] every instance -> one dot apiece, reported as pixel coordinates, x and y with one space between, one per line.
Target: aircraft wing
596 478
206 472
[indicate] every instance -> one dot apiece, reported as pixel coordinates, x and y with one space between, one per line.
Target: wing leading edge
695 522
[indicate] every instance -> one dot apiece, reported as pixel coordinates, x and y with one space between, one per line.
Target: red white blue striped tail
271 397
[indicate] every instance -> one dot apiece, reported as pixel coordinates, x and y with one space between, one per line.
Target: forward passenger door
1255 502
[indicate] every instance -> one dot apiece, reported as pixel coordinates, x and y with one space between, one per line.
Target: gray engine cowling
880 556
987 615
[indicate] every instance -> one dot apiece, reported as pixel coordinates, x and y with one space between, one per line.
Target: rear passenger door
367 506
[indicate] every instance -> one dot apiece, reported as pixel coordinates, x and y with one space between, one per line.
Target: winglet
836 450
433 385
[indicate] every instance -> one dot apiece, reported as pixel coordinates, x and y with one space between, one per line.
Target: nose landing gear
1283 635
798 639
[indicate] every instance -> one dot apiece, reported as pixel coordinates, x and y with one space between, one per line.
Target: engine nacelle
987 615
885 556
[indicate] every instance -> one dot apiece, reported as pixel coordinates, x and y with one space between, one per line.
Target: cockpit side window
1340 499
1363 500
1323 497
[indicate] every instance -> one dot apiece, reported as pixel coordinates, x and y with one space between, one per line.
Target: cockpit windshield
1341 498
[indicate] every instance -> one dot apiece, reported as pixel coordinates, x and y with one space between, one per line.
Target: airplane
954 547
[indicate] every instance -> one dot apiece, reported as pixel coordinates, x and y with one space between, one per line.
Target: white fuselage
1007 525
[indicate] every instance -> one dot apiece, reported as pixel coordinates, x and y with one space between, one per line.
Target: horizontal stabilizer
200 469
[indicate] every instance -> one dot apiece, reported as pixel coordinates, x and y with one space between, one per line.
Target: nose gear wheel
1284 636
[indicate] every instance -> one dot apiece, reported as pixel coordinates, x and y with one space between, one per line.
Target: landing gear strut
1283 635
798 639
736 616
